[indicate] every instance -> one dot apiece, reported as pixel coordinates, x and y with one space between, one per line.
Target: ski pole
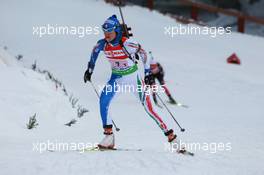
182 129
116 128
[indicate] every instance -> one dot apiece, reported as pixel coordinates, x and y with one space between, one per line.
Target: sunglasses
108 30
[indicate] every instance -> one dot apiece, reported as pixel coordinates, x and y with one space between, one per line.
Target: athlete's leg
160 78
145 100
106 97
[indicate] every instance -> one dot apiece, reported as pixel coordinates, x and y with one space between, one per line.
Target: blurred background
246 16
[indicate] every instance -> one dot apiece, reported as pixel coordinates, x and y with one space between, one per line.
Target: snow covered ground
226 101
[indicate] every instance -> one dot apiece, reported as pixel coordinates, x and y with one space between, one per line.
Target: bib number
119 65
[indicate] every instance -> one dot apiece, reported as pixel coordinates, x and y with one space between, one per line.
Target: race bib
119 64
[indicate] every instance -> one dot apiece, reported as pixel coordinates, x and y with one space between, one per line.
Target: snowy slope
225 100
25 92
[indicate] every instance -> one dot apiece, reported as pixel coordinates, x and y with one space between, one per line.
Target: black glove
87 75
149 79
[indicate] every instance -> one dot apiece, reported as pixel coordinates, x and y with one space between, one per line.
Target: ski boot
108 141
171 100
174 142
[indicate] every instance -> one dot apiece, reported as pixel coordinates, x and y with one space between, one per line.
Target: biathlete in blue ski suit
121 53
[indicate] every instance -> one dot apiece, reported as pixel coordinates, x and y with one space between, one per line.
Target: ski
182 105
178 104
184 152
110 149
95 149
